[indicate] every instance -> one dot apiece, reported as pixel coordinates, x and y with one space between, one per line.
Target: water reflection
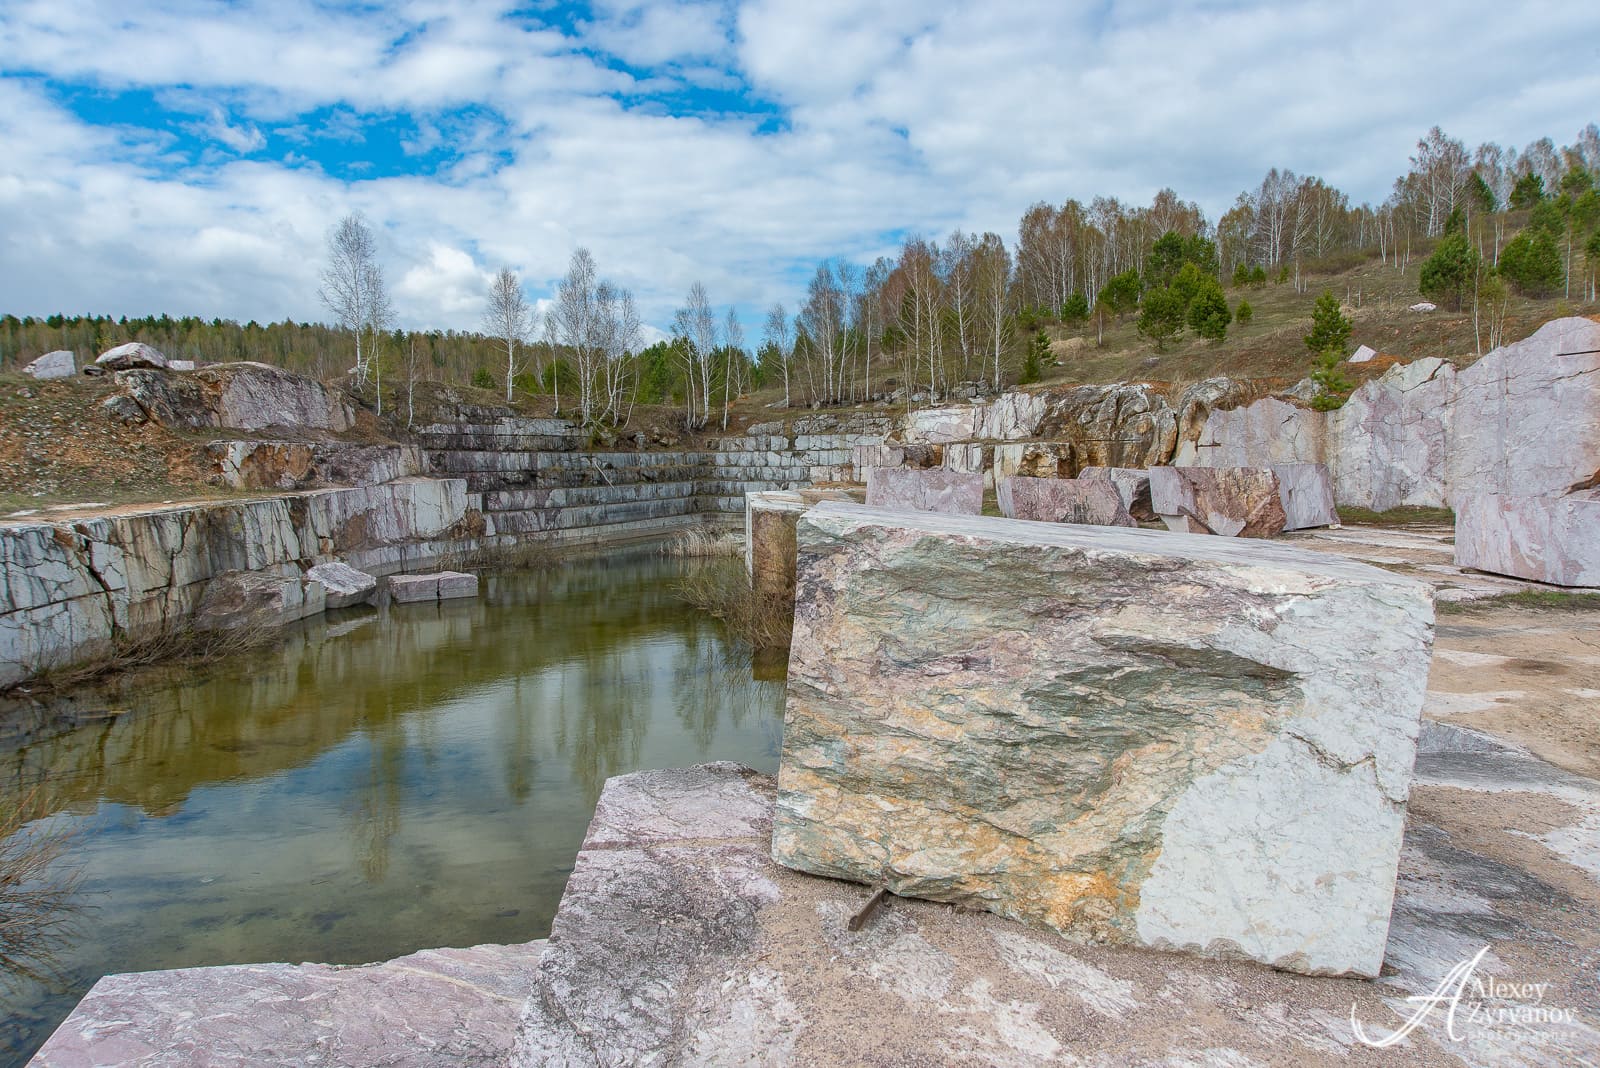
378 782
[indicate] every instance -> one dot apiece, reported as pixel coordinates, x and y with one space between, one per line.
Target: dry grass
1557 599
192 647
1397 517
35 895
721 588
701 543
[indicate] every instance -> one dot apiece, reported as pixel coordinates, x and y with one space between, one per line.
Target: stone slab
454 584
1133 483
1306 491
1234 502
437 1008
769 545
343 585
1123 735
933 490
58 364
1555 540
1063 500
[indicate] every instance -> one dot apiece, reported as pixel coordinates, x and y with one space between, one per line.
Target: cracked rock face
1546 539
1235 502
58 364
936 490
1123 735
1064 500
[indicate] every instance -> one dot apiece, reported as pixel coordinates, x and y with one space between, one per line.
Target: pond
378 781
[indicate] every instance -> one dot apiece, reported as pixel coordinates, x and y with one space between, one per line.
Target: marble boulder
342 585
439 586
1063 500
1545 539
127 357
934 490
58 364
1122 735
1235 502
1133 484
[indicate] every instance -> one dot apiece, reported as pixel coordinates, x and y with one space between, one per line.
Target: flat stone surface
442 585
1234 502
342 584
1363 354
58 364
438 1007
453 584
679 942
1555 540
1063 500
1306 491
934 490
1128 735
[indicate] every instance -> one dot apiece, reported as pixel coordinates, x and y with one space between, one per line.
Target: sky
190 156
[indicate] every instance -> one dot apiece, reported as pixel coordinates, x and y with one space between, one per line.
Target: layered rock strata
1124 735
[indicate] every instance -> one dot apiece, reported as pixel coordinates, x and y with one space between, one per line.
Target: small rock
1424 306
344 585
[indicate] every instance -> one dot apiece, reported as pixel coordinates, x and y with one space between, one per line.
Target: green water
378 782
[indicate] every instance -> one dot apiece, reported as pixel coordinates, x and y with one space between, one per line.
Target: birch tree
508 319
696 324
776 333
348 281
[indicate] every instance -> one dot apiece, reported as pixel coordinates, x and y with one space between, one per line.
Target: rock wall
71 588
1523 420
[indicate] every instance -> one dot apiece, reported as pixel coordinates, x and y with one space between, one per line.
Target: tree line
941 315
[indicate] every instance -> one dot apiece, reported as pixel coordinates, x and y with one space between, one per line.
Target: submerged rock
1123 735
440 586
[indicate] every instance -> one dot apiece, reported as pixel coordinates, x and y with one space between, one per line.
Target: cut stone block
769 546
1546 539
1306 491
934 490
342 584
440 586
58 364
1123 735
1240 502
1063 500
1133 483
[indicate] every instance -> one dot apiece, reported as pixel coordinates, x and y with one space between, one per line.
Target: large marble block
1125 735
769 546
933 490
1546 539
1063 500
1306 491
1132 483
1235 502
58 364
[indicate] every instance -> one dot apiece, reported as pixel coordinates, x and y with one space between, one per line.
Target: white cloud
893 117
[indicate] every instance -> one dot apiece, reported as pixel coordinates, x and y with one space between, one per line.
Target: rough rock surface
1269 431
1363 354
1235 502
298 464
1306 491
1125 735
437 1008
58 364
133 354
238 396
1064 500
1132 484
342 585
936 490
1545 539
1389 446
257 598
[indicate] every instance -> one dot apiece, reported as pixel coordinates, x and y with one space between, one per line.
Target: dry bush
722 588
35 896
700 543
186 646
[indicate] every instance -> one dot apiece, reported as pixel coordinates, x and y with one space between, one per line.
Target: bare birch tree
696 324
508 318
347 282
733 362
776 333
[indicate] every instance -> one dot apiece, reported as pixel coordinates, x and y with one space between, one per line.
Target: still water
378 782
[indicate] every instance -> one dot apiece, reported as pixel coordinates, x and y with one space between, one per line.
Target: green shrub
1245 313
483 379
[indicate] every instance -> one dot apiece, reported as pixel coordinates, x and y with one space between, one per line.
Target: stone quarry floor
679 942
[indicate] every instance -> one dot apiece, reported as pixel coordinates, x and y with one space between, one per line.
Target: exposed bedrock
1125 735
236 396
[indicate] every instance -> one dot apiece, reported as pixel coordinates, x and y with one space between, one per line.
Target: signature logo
1462 995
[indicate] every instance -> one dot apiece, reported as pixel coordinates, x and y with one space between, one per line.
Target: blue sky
189 156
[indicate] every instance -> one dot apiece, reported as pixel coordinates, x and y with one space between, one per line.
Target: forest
963 311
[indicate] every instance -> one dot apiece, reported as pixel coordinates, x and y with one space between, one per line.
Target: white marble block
1134 736
1546 539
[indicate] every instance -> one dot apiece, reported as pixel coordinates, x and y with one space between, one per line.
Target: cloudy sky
189 156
